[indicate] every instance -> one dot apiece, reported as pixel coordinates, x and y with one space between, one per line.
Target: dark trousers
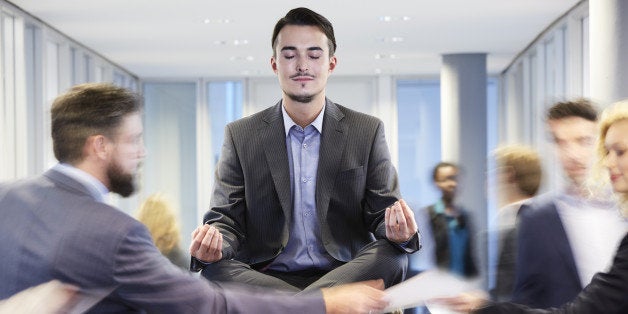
379 259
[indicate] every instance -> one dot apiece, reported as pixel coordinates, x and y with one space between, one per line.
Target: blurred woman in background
161 220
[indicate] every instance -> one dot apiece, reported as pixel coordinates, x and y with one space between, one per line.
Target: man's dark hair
582 108
442 164
306 17
87 110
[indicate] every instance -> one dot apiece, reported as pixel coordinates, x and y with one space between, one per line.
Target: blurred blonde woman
612 146
161 220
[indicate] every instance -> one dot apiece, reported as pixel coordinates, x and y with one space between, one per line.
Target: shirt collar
600 198
98 190
288 123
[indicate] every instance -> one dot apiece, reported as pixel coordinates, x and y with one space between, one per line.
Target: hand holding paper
428 287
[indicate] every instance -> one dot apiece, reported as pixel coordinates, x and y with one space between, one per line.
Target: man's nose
574 152
302 66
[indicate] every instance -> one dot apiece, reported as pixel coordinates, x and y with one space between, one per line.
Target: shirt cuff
197 265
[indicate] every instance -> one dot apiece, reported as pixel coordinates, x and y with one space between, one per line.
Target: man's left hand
400 223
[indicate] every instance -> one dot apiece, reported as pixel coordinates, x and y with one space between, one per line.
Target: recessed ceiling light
238 42
216 21
388 18
235 42
240 58
396 39
385 56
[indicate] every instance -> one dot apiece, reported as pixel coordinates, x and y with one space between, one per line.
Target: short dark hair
582 108
306 17
87 110
442 164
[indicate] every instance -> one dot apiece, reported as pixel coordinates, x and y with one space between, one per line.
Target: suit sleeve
228 206
382 190
605 294
528 285
147 280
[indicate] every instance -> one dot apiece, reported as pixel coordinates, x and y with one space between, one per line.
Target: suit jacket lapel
333 141
273 139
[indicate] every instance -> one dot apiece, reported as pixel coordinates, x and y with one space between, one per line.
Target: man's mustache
301 74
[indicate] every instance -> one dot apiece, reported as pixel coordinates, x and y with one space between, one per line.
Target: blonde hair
525 163
611 115
162 223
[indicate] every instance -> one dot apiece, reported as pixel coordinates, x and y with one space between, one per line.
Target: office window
79 71
418 107
37 135
170 133
224 100
13 111
585 56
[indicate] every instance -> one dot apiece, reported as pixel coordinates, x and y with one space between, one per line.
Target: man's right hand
359 297
206 244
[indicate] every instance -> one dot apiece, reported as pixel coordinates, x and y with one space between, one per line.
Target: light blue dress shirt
304 249
98 190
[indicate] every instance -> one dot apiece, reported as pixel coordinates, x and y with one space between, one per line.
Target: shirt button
304 145
304 180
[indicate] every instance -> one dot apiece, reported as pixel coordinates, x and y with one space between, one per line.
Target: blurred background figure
159 216
571 233
446 235
450 225
518 179
518 176
608 290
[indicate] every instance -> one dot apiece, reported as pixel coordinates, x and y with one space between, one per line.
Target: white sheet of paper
427 285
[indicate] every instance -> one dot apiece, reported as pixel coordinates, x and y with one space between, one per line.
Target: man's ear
97 146
332 63
510 174
273 64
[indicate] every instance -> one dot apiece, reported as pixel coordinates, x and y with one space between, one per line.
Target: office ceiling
202 38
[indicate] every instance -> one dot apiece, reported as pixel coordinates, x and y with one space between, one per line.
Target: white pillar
608 22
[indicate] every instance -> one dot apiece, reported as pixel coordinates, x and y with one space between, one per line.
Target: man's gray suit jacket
251 203
52 228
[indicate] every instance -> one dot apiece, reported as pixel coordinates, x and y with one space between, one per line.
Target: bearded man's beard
120 182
